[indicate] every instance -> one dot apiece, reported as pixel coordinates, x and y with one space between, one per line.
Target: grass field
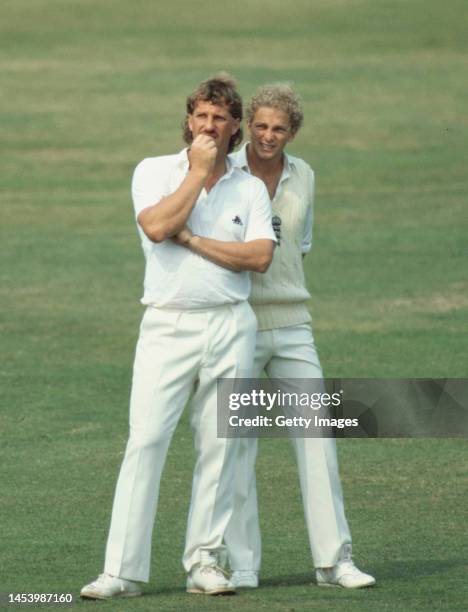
89 89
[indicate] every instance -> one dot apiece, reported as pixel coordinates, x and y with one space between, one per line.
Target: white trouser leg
242 536
322 498
294 356
229 354
322 495
166 363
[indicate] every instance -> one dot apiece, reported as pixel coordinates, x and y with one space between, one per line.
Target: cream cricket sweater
279 297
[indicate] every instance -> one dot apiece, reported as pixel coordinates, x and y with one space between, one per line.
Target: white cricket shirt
237 209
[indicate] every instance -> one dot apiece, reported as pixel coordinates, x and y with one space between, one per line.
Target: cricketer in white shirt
198 327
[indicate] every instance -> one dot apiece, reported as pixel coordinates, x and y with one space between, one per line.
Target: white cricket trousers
178 352
288 353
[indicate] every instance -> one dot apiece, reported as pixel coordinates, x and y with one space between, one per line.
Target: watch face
276 222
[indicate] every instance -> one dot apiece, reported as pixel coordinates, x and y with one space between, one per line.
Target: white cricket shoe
244 579
107 586
208 578
344 574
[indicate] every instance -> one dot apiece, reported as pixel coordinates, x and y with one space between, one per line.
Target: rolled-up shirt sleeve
148 184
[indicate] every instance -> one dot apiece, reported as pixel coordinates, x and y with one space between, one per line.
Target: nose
209 124
269 135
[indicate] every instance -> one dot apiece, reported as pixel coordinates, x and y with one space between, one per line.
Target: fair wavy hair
280 96
220 89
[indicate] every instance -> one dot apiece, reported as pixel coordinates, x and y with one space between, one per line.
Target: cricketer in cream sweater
286 350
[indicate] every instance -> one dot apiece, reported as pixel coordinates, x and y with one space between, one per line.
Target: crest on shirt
276 222
237 220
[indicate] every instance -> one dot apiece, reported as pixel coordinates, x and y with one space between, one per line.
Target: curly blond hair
280 96
220 89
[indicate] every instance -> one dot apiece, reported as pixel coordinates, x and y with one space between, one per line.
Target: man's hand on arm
183 237
167 217
254 256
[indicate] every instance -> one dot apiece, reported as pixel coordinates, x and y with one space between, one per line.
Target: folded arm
254 255
169 215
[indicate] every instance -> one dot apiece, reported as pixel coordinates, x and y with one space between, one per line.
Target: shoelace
104 579
207 569
101 579
349 567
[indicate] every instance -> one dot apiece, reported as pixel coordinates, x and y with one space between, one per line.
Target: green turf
90 88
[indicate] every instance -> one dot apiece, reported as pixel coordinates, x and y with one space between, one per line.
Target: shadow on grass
288 581
275 581
385 570
179 590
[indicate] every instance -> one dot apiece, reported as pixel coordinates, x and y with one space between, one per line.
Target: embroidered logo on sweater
276 222
237 220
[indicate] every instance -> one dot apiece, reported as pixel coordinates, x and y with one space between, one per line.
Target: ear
291 136
190 122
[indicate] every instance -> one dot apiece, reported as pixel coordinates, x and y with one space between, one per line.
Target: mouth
268 148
